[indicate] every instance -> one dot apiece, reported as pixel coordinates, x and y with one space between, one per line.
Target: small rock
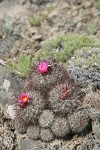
39 2
3 99
75 2
21 2
96 129
56 144
74 13
2 62
87 4
16 83
1 142
10 111
1 33
38 38
6 45
1 130
6 85
9 138
3 73
28 144
61 148
96 146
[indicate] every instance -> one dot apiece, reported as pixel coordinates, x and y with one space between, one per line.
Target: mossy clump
50 8
97 4
21 66
34 21
68 21
63 47
90 28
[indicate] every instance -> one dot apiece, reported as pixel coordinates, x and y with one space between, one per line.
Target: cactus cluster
54 99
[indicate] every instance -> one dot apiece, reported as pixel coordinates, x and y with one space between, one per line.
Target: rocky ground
25 27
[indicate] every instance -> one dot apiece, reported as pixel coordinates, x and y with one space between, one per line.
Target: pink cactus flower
23 99
42 68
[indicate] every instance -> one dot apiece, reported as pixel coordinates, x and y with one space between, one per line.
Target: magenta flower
42 68
23 99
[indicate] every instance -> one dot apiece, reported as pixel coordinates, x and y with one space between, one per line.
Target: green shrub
34 22
50 8
62 47
97 4
68 21
90 29
21 66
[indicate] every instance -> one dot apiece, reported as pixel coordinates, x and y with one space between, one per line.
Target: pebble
96 129
87 4
38 38
10 111
6 85
1 142
28 144
1 130
3 98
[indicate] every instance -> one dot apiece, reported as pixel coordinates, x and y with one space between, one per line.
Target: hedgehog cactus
50 92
